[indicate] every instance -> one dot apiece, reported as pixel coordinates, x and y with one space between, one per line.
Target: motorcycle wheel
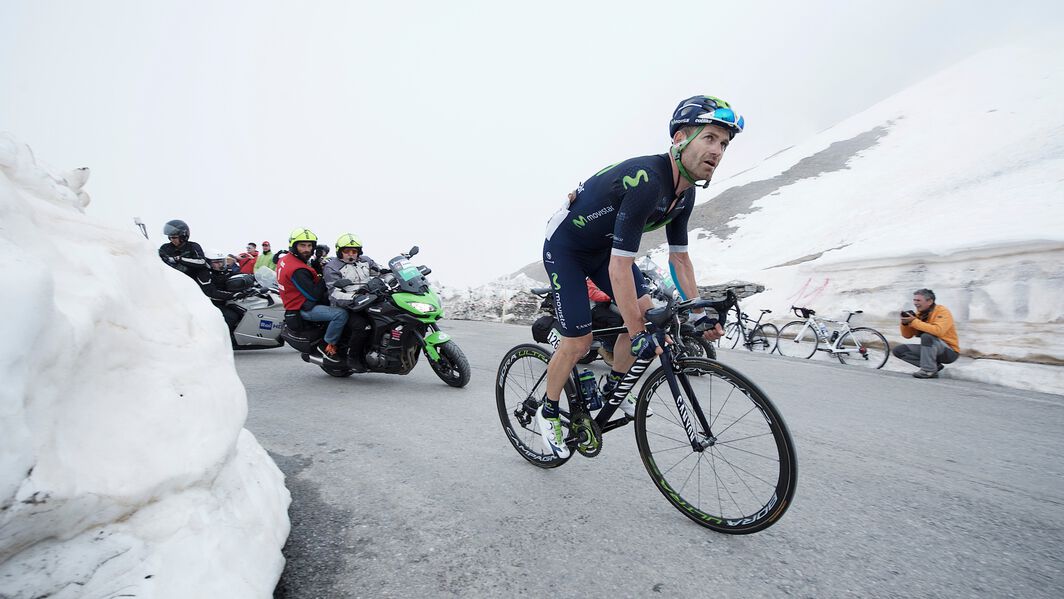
452 367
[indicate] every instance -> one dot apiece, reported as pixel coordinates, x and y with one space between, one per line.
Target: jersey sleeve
641 188
676 230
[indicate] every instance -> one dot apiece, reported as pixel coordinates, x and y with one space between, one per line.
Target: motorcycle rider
180 253
302 289
212 284
346 278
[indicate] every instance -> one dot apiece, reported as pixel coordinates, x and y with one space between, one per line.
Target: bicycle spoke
733 467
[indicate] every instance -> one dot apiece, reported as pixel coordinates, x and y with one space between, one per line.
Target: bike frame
613 401
812 322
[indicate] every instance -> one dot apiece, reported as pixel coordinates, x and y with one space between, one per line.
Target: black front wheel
741 474
453 366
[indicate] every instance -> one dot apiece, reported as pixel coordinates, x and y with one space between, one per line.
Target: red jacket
291 295
247 262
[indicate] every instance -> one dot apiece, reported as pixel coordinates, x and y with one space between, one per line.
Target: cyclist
596 234
302 289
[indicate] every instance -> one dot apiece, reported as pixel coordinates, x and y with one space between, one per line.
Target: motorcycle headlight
423 307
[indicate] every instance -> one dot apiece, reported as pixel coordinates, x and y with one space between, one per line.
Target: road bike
861 346
753 335
716 447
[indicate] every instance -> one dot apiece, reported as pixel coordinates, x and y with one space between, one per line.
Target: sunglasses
723 115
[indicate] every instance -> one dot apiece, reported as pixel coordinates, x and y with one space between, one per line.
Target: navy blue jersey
618 204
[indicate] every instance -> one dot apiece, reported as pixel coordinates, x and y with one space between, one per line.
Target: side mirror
413 251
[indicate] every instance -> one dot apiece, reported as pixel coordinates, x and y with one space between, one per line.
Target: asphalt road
405 487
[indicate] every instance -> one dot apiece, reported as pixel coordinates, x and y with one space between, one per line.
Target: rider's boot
628 403
329 353
552 433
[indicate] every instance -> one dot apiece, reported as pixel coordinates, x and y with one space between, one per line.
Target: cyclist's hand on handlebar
715 333
645 346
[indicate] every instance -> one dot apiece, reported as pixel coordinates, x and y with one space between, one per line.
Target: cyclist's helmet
703 110
348 240
301 234
176 228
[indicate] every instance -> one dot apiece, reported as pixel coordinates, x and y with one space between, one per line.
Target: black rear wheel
452 367
742 477
519 388
764 337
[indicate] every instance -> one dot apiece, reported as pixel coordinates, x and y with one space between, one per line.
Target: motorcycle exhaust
309 359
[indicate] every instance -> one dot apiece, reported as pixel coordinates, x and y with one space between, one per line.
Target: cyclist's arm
684 271
624 293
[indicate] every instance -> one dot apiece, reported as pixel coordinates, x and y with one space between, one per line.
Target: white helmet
215 259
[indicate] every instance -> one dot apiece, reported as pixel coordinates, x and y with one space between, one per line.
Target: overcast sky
457 126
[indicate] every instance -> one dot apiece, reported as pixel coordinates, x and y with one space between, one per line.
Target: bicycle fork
698 443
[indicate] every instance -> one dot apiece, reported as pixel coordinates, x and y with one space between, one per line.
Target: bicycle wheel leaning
743 476
764 338
519 388
797 340
863 346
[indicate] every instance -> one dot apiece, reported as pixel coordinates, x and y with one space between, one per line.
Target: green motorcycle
403 312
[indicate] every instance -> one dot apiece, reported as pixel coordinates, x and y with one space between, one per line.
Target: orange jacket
939 323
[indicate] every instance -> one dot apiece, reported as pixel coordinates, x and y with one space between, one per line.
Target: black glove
644 346
342 283
171 260
703 322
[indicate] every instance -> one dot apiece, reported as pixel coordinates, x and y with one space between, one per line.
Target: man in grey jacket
353 270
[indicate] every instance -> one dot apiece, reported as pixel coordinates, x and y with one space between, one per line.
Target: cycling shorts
566 269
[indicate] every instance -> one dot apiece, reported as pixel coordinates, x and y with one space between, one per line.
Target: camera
908 313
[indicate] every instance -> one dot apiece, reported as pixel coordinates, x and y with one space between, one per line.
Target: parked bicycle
753 335
862 346
716 447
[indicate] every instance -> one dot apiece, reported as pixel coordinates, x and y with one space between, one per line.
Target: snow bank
124 467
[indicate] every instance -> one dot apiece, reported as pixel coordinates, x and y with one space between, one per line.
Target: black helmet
322 249
176 227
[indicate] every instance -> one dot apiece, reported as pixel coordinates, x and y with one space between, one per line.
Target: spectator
247 259
231 265
265 259
933 324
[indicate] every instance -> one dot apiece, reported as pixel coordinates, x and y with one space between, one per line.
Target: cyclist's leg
623 358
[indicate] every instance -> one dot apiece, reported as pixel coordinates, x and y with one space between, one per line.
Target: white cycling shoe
628 407
553 434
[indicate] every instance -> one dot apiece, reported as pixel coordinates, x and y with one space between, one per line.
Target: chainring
586 428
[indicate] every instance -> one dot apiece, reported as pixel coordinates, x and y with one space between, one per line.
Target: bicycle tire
764 338
788 343
514 397
732 334
752 448
868 347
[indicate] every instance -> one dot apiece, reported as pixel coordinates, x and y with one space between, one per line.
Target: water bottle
589 389
834 336
823 329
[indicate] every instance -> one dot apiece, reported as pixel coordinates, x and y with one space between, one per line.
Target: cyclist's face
703 154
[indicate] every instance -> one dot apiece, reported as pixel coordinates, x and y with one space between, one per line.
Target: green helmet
301 234
348 240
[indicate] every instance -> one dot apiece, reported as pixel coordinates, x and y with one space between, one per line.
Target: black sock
550 407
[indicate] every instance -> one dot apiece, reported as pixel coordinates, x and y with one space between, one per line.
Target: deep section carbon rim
743 478
519 387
